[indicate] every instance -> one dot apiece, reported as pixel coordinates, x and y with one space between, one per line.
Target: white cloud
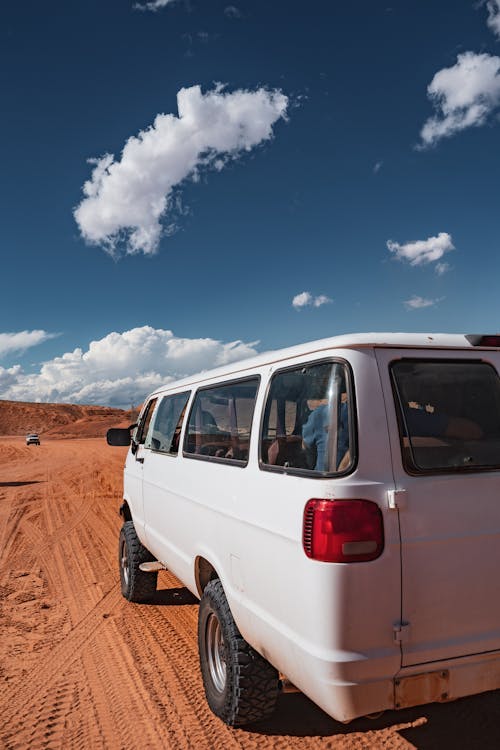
442 268
22 340
493 21
121 368
126 200
305 299
153 5
8 377
301 300
321 300
463 96
416 303
421 252
377 167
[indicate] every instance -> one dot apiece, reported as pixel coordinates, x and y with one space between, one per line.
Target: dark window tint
307 420
449 414
144 422
166 428
220 421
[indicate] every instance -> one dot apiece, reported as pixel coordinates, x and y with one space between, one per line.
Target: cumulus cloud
121 368
463 96
154 5
8 377
306 299
493 7
22 340
125 200
416 303
421 252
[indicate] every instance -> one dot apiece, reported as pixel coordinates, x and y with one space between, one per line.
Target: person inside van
425 420
315 431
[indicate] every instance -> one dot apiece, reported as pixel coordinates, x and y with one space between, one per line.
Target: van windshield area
448 414
307 420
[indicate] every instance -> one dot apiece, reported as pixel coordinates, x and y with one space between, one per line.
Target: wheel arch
125 511
204 572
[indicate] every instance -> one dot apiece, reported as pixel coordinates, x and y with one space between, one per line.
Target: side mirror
119 435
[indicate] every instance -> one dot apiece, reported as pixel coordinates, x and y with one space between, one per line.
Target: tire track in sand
170 670
46 675
103 674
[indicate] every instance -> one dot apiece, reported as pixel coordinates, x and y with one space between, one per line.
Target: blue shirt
315 433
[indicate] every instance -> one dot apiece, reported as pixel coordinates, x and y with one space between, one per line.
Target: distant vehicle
32 439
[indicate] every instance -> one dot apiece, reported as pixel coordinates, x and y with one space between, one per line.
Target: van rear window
448 414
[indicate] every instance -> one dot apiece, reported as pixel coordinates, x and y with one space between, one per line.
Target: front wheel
137 586
240 685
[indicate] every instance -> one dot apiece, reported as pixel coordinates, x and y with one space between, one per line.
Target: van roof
345 341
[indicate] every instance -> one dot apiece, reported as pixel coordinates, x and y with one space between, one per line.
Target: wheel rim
124 562
216 653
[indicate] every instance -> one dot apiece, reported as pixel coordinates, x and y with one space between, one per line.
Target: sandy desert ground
82 668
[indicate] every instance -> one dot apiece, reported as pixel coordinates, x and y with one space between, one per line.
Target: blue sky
333 168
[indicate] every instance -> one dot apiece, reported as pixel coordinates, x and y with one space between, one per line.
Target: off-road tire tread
141 586
252 682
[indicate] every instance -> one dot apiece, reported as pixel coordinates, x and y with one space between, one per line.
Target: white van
335 506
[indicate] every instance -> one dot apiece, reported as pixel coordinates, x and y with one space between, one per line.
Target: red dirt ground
80 667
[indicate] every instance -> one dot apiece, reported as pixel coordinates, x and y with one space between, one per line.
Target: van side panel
337 620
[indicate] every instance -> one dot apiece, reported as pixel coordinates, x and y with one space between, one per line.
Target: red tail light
477 339
490 341
342 530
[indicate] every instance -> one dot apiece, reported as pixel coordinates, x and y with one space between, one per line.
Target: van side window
166 429
144 423
448 414
220 422
307 420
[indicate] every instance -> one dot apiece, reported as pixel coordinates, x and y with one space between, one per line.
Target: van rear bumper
447 680
412 686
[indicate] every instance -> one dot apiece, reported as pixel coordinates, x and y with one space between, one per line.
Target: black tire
137 586
240 685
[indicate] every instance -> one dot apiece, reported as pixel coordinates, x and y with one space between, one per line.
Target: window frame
212 387
410 467
161 399
353 423
149 410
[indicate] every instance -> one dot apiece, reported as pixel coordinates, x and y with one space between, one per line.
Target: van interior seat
287 451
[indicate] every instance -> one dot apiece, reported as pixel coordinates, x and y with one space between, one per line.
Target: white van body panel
339 631
133 487
450 536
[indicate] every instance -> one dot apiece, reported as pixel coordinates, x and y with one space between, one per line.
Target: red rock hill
60 420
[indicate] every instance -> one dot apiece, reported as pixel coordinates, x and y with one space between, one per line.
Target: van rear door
443 411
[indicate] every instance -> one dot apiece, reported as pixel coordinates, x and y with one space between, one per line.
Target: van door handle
396 499
140 460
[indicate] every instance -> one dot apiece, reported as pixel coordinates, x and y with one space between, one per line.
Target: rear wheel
137 586
240 685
